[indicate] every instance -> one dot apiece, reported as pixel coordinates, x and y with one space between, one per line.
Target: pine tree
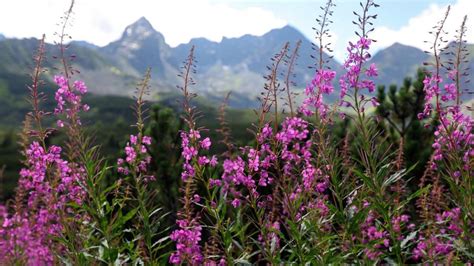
398 110
164 127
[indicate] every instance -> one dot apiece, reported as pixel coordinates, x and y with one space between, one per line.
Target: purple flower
133 139
372 71
206 143
320 85
236 203
136 159
354 78
49 184
69 99
187 239
146 140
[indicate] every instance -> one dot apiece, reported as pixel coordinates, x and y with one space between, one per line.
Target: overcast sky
102 21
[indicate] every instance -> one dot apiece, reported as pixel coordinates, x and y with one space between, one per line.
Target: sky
103 21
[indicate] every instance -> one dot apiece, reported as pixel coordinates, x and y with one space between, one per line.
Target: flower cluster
431 87
136 158
69 99
295 143
233 176
188 234
353 77
398 222
319 86
49 183
187 239
249 174
448 227
191 143
378 238
454 134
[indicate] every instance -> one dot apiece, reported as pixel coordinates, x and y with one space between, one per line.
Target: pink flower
354 78
69 99
372 71
236 203
60 123
206 143
133 139
187 239
320 85
50 185
146 140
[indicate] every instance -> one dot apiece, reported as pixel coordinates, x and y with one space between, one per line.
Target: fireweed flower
449 228
69 99
454 133
190 145
234 176
431 90
187 239
241 175
50 184
378 238
295 144
136 159
188 234
356 77
319 86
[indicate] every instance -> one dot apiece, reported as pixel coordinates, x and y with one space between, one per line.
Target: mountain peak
403 47
397 44
143 22
287 32
289 28
141 27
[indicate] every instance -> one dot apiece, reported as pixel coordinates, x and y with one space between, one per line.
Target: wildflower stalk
138 178
361 113
224 129
437 56
460 58
324 21
273 82
36 96
290 68
76 138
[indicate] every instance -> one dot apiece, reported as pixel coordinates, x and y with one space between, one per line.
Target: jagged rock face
142 46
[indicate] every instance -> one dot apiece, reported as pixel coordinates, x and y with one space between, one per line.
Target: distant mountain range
234 64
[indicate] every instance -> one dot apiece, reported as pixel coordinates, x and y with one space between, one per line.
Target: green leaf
407 239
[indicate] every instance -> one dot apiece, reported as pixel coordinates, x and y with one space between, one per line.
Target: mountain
397 62
95 68
238 64
85 44
251 52
233 64
2 37
141 46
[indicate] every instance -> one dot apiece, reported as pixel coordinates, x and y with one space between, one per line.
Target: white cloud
416 31
102 21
